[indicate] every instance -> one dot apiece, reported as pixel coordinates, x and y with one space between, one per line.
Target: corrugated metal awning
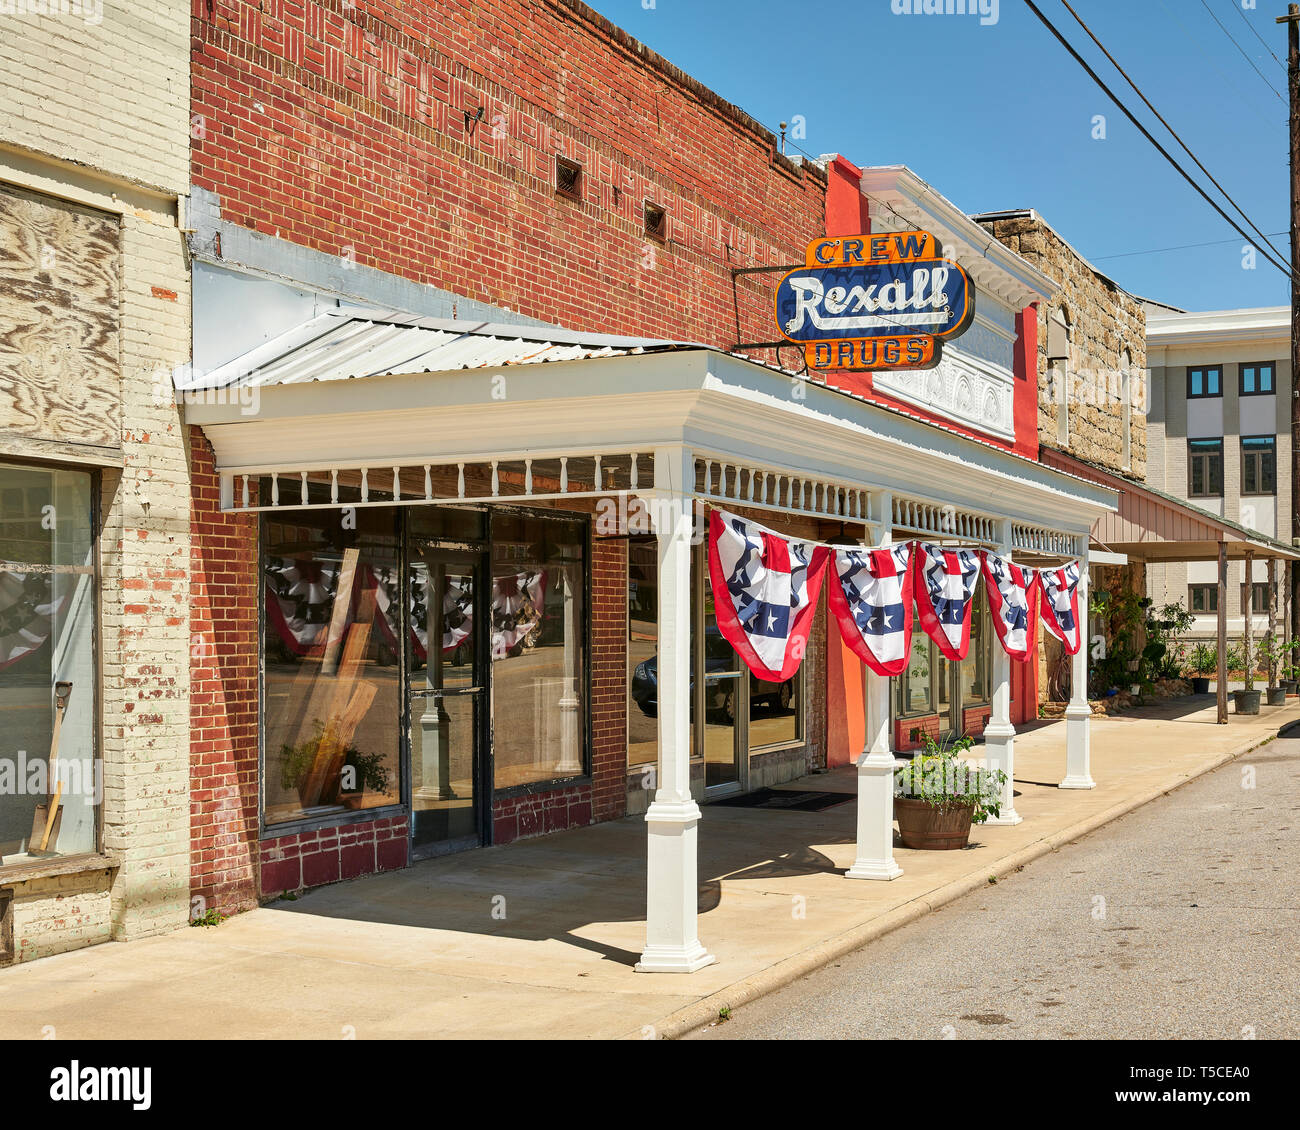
346 344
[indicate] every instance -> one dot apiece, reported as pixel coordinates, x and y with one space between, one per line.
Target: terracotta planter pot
1277 696
923 826
1247 702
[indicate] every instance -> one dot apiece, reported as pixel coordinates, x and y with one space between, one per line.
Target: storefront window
539 684
913 688
332 688
975 667
775 711
51 782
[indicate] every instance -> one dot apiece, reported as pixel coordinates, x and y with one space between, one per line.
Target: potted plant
1290 668
938 796
358 772
1247 700
1270 652
1202 662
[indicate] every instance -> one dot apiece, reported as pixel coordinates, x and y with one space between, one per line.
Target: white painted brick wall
114 95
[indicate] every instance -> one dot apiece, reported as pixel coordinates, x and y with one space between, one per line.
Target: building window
1257 380
1204 381
1259 599
656 221
975 667
539 649
1205 468
914 689
48 668
1203 598
331 690
1258 464
568 178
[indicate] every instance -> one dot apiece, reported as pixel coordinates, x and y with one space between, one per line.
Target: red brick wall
342 127
609 677
974 719
328 855
223 700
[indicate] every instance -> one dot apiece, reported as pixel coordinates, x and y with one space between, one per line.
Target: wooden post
1272 623
1292 20
1248 618
1222 689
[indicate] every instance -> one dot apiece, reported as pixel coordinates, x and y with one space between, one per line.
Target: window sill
56 865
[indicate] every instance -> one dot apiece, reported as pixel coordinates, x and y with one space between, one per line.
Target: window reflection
538 648
331 685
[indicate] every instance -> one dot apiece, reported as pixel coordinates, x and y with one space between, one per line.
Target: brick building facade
94 496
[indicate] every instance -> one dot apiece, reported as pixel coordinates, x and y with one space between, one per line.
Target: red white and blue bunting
945 592
765 590
871 598
1013 601
1060 605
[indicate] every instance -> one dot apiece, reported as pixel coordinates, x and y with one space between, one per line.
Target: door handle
426 692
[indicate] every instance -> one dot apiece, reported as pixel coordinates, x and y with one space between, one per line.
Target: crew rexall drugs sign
884 301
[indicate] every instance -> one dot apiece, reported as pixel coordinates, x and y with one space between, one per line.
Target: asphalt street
1180 920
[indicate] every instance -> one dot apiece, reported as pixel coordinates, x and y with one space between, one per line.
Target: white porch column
672 939
875 858
1000 734
1078 715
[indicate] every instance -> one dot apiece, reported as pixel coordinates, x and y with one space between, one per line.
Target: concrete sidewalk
537 939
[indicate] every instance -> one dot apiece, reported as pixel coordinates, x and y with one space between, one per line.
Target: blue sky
999 116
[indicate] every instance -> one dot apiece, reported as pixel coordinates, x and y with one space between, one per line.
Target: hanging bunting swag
1013 600
765 590
945 591
871 598
1060 605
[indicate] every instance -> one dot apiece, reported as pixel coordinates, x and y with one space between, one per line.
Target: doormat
796 800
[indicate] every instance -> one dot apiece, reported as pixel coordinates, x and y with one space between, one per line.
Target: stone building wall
1104 321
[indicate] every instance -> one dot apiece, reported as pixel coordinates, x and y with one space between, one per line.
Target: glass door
447 700
720 705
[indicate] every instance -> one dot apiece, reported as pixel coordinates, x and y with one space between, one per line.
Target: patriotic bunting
1013 600
871 597
1060 605
765 590
945 590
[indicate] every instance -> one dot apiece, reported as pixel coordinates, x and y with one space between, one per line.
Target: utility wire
1256 34
1147 134
1173 132
1162 250
1229 80
1248 59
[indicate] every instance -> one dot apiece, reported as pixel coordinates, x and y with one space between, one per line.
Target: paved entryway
537 939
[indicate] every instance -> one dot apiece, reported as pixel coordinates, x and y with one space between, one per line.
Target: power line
1173 132
1256 34
1248 59
1162 250
1231 80
1147 133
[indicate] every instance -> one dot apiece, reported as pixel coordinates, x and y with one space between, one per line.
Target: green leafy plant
296 762
941 777
212 917
1202 661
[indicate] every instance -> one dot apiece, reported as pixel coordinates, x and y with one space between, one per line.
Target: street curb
705 1011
